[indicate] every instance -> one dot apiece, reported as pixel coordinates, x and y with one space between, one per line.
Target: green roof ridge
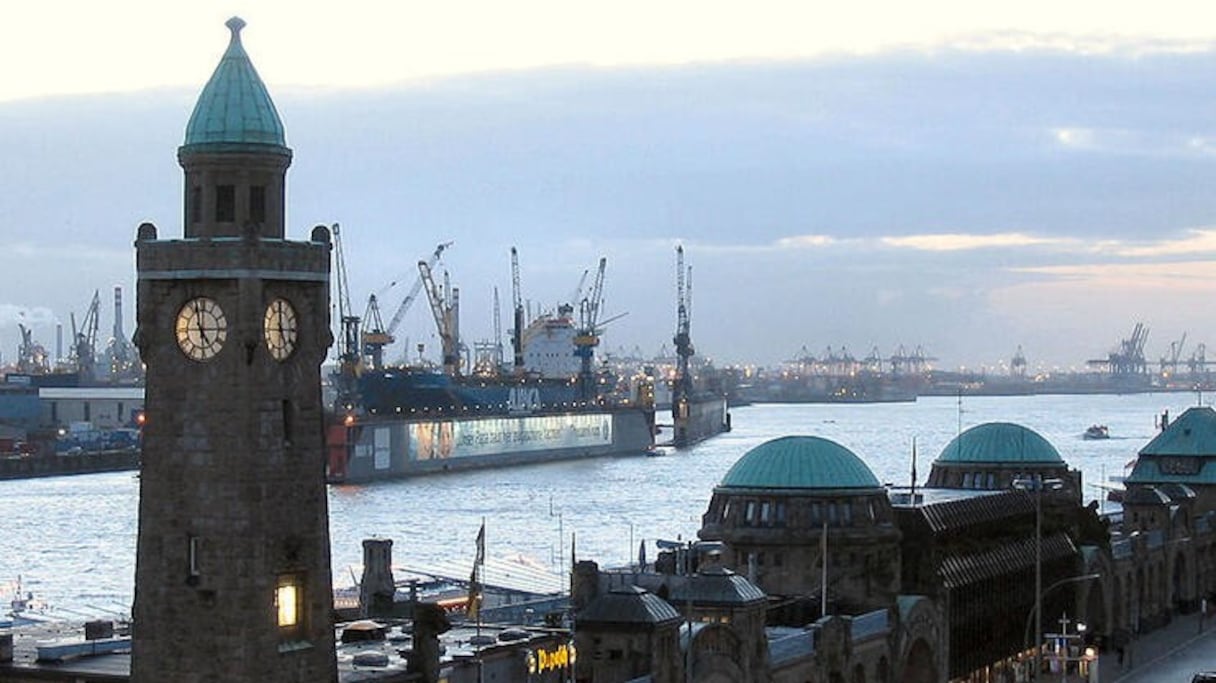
800 462
235 107
1193 433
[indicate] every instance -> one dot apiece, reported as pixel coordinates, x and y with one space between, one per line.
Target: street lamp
1037 612
1036 483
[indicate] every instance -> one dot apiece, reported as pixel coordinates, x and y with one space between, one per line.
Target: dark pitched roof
960 513
628 605
717 586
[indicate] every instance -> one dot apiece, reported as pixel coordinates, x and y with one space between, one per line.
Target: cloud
1172 276
1197 241
13 314
966 242
805 241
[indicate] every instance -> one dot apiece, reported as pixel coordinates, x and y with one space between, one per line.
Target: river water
72 539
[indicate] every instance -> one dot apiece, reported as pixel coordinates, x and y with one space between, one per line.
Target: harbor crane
32 358
517 339
1198 364
376 335
587 337
350 360
445 306
1017 365
1127 358
681 390
1169 363
488 354
84 339
915 362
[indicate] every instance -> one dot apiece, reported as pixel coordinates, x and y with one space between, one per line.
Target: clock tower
232 576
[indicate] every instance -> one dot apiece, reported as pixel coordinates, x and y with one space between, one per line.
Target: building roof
800 462
1191 433
628 605
963 512
717 586
996 443
234 107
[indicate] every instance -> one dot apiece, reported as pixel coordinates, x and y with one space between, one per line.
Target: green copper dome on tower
235 110
997 443
800 462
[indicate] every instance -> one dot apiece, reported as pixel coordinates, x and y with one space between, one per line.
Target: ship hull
380 448
698 419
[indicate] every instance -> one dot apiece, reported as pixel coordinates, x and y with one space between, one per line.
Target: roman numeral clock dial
201 328
281 329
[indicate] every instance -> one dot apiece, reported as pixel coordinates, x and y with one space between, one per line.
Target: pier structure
232 578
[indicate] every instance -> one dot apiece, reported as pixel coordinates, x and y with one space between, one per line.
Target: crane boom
377 335
444 318
349 357
413 293
587 337
497 332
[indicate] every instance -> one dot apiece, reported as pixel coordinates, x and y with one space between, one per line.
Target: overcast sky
927 174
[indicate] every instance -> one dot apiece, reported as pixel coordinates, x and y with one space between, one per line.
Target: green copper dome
234 108
995 443
800 462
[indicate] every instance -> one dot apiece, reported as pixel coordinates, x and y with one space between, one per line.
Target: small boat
1096 432
656 452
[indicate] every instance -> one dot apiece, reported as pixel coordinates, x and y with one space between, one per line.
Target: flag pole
475 581
823 553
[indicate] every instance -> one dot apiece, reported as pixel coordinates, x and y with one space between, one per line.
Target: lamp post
1036 483
1036 611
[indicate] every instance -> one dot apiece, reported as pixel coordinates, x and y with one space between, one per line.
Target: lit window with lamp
289 605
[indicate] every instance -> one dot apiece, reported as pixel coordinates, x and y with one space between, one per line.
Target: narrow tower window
287 426
193 556
289 605
225 203
196 204
257 204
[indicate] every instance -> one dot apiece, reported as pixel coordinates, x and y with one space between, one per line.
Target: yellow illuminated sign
541 661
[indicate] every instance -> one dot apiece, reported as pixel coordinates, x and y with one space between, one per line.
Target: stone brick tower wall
232 575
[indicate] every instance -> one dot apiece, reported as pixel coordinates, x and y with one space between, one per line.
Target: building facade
957 581
232 578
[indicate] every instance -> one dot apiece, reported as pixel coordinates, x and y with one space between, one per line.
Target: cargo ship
415 421
404 421
552 402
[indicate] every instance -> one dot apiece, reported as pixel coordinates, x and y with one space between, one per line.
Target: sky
962 177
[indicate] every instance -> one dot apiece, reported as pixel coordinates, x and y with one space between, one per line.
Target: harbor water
72 539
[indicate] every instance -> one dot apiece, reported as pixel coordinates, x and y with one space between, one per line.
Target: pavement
1172 653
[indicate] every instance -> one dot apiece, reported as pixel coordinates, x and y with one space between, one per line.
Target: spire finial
235 24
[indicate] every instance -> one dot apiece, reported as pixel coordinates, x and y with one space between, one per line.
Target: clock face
201 328
281 329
